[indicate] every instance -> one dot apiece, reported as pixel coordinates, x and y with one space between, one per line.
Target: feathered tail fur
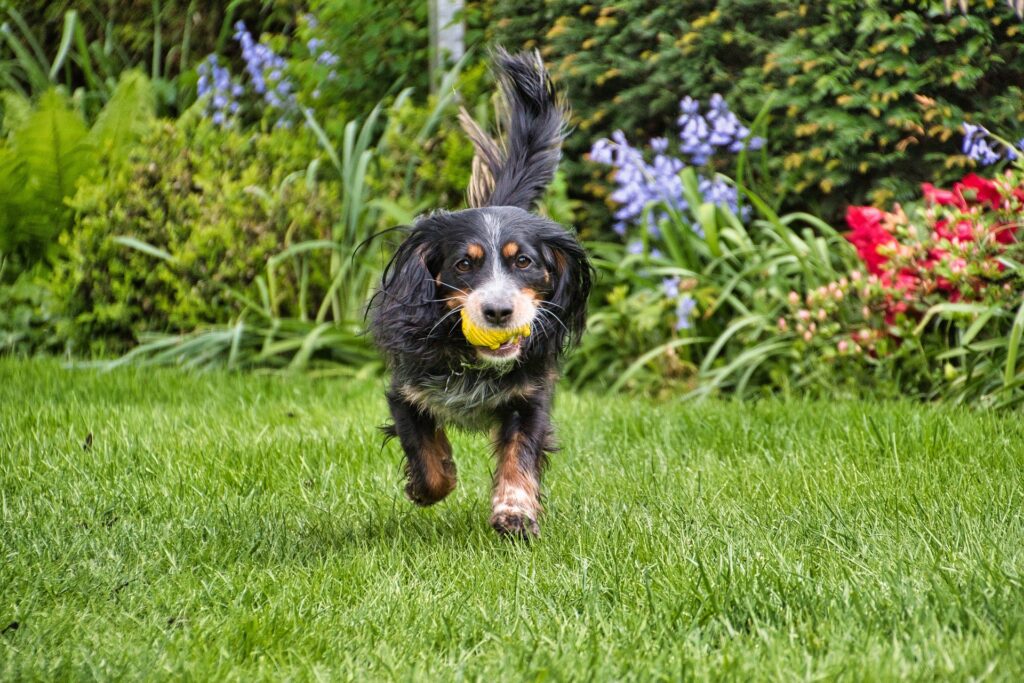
533 116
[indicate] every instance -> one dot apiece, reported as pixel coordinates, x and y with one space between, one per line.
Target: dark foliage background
840 79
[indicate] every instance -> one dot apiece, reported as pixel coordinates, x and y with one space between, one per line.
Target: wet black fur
427 352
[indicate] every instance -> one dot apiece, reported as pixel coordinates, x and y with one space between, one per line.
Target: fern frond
17 110
53 145
127 115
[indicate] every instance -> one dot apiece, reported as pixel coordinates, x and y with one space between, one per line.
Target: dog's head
500 264
505 266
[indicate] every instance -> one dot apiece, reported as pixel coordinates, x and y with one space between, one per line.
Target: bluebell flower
328 59
635 247
220 91
670 286
684 312
647 191
266 70
976 145
701 135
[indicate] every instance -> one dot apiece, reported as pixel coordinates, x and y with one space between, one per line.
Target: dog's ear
407 298
571 281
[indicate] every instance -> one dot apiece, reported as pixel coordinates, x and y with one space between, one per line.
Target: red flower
867 234
904 281
1005 234
985 191
936 195
963 232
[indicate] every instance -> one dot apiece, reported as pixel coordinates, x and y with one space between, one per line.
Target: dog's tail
534 119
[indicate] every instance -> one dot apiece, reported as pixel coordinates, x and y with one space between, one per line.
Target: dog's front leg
429 468
522 442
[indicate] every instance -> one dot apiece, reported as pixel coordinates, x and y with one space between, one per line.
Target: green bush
28 321
842 78
179 236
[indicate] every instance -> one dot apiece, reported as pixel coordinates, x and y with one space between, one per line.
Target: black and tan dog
503 268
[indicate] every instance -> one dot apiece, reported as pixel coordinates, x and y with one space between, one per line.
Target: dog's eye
523 261
463 266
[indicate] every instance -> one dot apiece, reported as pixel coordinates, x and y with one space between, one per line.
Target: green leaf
17 110
126 117
53 146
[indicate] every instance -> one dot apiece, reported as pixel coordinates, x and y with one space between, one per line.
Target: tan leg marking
515 503
437 477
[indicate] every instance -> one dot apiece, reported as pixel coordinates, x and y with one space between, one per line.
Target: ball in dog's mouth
509 349
491 343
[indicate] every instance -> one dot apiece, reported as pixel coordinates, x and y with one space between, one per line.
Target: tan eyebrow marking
475 251
510 250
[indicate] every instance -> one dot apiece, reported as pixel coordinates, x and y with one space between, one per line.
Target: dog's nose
497 314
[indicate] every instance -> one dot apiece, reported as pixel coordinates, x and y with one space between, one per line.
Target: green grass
240 527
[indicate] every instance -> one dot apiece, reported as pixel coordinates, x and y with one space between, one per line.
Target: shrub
842 77
28 322
215 205
937 305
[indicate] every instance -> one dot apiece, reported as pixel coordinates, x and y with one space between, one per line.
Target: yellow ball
492 339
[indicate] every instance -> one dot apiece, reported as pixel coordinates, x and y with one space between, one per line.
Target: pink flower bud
822 314
842 346
803 314
855 275
783 325
794 298
839 295
808 336
866 312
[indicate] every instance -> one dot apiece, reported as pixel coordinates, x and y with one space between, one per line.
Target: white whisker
443 318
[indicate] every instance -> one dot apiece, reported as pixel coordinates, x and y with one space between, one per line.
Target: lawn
160 524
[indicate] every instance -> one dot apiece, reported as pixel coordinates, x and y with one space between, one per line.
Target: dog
504 268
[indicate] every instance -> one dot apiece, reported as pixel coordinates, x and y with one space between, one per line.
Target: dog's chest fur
467 399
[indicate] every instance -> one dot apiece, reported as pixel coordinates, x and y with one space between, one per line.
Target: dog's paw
515 525
434 487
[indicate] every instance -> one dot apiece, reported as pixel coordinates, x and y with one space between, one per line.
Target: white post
446 36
